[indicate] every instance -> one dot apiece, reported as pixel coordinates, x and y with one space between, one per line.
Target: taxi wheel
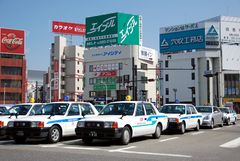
54 134
183 128
197 127
20 140
212 124
126 136
221 125
87 140
228 121
158 132
234 123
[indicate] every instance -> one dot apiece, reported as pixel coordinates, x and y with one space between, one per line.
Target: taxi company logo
11 41
212 31
128 30
108 23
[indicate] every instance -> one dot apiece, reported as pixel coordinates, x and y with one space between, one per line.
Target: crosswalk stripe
231 144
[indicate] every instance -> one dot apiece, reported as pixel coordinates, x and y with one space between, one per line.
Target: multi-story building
66 71
114 72
201 62
12 66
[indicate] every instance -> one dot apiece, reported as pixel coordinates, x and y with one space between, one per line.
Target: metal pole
106 92
50 91
4 94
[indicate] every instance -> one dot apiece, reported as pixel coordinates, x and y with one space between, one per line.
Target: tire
234 123
158 132
20 140
228 122
54 135
197 127
221 125
126 136
87 140
212 124
183 128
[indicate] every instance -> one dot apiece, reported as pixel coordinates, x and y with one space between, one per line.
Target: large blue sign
184 40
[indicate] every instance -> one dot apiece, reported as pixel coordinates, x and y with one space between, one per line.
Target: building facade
12 66
201 62
66 71
113 72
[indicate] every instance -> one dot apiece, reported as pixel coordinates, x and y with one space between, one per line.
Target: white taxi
53 121
15 112
123 120
182 117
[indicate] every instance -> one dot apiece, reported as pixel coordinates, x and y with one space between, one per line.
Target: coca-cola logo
11 41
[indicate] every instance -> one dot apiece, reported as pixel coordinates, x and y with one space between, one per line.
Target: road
219 144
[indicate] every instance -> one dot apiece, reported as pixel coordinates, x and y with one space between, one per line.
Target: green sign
107 80
110 29
102 87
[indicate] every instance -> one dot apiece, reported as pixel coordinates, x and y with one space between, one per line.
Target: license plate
92 133
20 133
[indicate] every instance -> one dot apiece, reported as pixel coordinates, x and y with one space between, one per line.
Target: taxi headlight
206 117
10 124
110 125
38 124
81 124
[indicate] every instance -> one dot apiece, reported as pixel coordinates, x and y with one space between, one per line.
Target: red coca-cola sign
12 41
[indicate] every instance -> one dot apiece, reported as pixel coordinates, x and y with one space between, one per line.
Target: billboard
68 28
183 40
12 41
114 28
146 54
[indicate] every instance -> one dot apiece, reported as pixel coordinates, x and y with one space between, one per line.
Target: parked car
123 120
212 116
53 121
15 112
182 117
229 116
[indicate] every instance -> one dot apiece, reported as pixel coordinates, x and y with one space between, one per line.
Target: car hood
206 114
40 118
104 118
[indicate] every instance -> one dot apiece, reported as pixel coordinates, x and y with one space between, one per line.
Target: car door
151 120
139 120
72 119
194 117
217 115
189 120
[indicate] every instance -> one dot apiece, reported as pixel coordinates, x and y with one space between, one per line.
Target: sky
36 16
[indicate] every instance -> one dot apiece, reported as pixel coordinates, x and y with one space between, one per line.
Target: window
166 63
144 66
193 110
140 110
91 81
126 78
149 109
120 66
233 29
74 110
188 111
193 63
92 93
144 79
166 78
167 91
77 71
119 79
193 76
216 109
227 28
90 68
78 62
86 109
77 88
167 100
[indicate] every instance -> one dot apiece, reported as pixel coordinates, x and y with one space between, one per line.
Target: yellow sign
128 98
231 99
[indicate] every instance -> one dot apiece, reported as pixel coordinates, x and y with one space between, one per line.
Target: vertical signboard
56 73
114 28
12 41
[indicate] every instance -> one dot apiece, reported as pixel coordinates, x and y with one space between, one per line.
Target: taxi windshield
20 109
4 111
204 109
53 109
174 109
118 109
224 110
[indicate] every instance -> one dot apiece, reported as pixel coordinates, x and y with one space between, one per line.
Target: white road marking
157 154
168 139
116 150
81 148
228 126
51 146
197 133
217 129
231 144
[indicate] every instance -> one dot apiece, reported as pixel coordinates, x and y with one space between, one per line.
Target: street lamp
105 90
50 89
175 93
